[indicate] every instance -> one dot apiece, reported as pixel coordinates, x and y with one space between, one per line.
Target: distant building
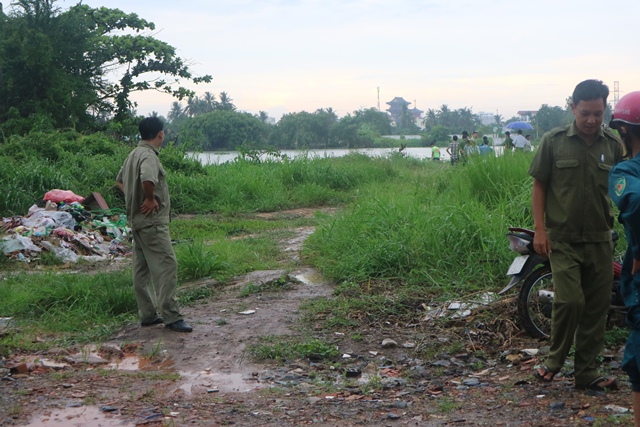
527 115
397 106
486 118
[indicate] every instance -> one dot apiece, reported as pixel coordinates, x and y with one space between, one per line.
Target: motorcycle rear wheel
535 302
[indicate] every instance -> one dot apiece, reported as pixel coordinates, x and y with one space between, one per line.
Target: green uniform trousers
582 277
155 274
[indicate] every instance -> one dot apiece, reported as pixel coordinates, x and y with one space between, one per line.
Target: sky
496 56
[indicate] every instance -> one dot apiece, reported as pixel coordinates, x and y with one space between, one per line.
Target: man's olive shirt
577 204
142 165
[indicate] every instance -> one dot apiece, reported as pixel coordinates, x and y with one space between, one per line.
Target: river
219 157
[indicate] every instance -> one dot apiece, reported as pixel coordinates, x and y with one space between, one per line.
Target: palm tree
209 102
263 116
226 103
176 112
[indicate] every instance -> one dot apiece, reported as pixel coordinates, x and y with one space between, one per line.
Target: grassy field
406 231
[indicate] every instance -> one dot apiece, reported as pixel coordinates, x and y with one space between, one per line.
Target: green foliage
549 117
442 229
55 65
196 261
77 307
39 162
223 130
286 348
303 130
454 121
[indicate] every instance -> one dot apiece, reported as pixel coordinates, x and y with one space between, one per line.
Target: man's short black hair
150 127
519 131
589 90
465 133
455 137
507 133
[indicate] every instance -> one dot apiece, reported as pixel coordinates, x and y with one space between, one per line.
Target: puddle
84 416
310 277
135 363
192 382
212 382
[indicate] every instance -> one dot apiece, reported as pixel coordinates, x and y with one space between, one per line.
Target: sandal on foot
544 374
602 384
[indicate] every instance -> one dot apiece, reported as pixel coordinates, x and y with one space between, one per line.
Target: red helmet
627 110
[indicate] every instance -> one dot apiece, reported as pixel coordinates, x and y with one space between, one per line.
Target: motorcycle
535 299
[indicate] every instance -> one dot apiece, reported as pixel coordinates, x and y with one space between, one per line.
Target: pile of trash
69 226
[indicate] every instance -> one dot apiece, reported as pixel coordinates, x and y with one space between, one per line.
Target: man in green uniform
573 219
508 142
143 181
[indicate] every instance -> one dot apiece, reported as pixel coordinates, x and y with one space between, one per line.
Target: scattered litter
247 312
67 229
458 309
615 408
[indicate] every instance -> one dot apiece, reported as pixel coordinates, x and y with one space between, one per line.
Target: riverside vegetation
406 231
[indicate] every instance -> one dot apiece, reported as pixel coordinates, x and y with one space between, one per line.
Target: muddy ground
467 371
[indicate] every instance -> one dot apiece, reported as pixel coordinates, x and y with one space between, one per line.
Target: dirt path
206 378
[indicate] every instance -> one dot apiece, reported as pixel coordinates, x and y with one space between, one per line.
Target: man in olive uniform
155 268
508 142
573 219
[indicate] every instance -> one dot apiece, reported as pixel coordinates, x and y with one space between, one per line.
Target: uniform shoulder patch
621 184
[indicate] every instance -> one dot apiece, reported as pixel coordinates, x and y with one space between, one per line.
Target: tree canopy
54 65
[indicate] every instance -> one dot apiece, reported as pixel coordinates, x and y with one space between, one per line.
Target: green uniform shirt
142 165
577 204
508 142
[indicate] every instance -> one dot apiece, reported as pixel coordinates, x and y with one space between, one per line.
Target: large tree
223 130
54 65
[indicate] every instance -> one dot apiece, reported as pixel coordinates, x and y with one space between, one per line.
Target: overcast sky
498 56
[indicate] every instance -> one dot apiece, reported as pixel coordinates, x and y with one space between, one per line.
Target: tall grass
441 230
76 307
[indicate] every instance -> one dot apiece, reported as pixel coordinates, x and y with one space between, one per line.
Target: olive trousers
155 274
582 277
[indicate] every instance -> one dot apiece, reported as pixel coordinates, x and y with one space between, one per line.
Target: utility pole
616 93
378 98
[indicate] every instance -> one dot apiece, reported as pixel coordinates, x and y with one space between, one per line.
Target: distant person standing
464 140
485 148
530 146
155 268
508 142
435 152
475 137
520 142
454 150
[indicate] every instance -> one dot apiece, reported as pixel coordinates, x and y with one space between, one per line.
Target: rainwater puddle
84 416
135 363
192 382
212 382
310 277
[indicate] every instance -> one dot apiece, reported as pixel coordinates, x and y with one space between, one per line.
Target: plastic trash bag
16 242
66 196
39 217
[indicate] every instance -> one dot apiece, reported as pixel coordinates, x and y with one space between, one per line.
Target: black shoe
157 321
179 326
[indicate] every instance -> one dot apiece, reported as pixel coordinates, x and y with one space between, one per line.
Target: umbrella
519 125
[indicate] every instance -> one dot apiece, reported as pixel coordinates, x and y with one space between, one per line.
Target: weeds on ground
286 348
281 284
